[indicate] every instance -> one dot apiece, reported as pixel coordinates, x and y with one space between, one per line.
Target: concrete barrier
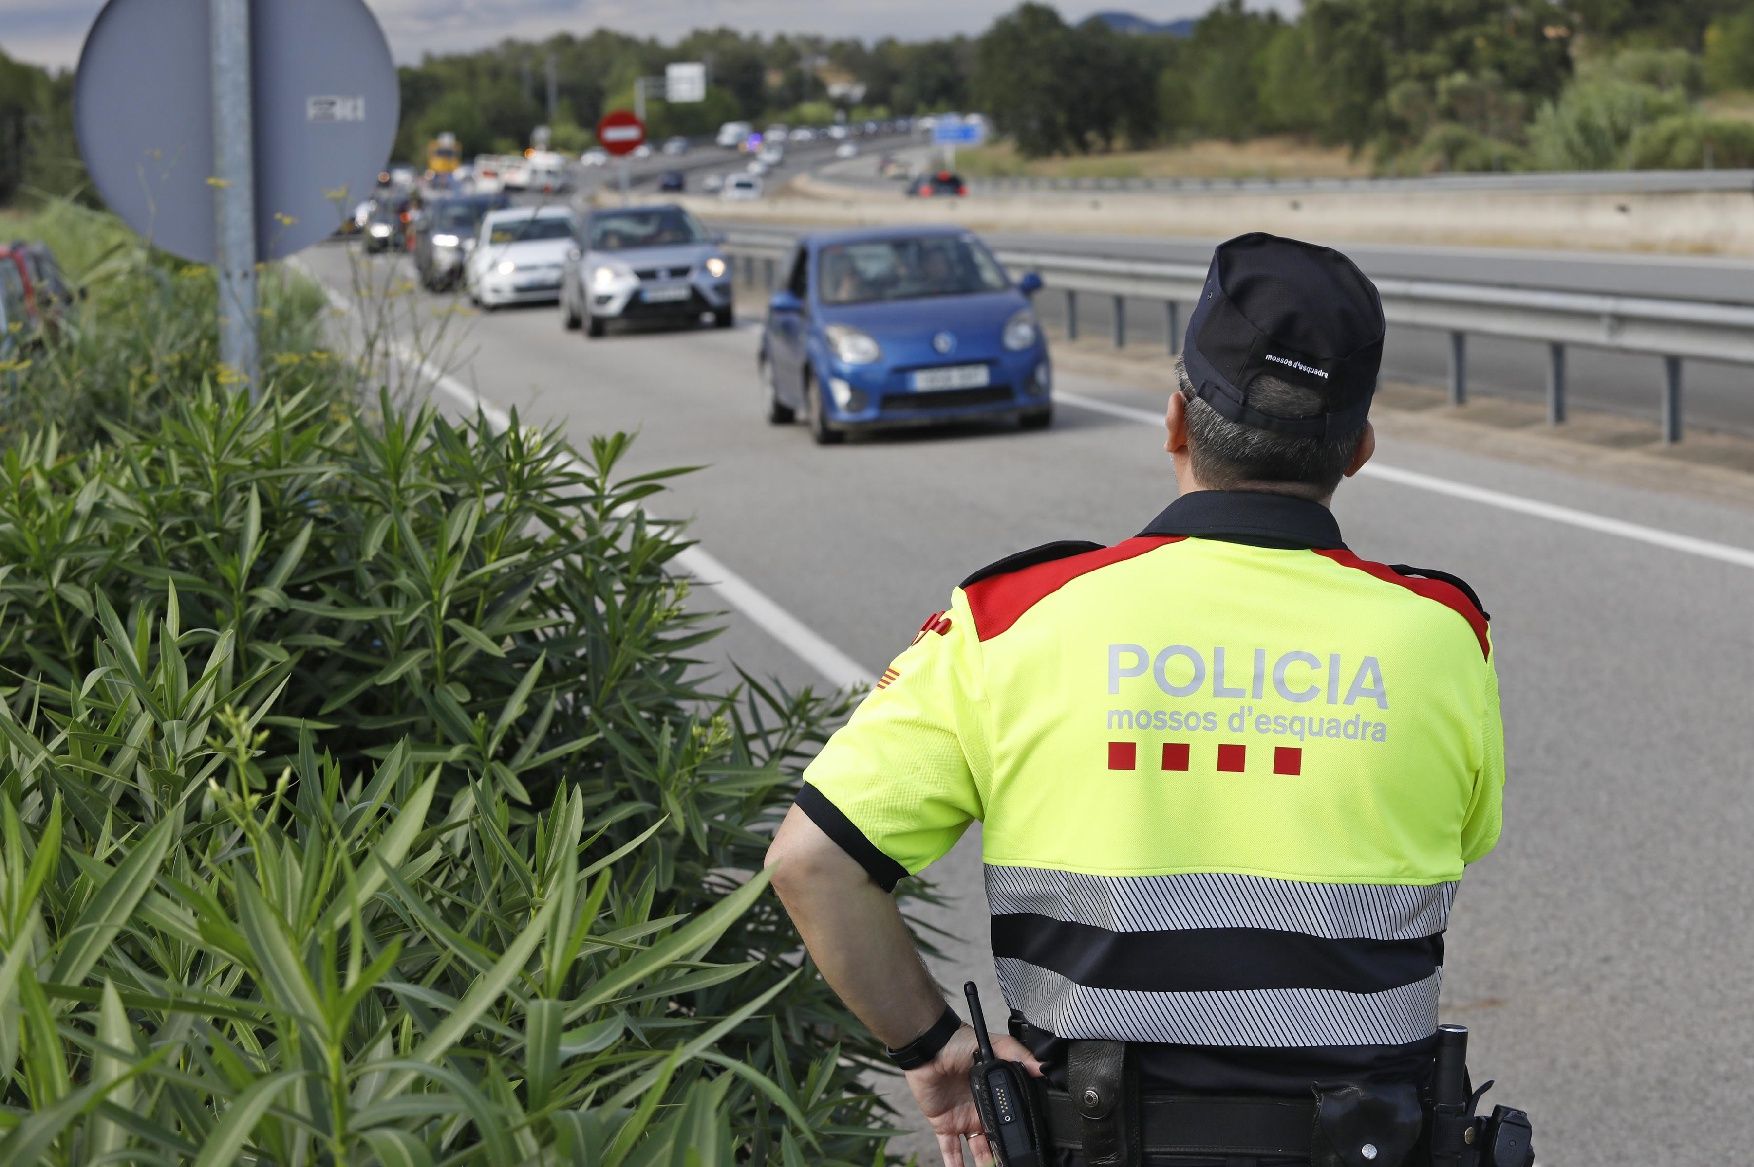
1692 222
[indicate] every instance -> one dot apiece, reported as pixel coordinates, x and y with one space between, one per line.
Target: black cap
1291 310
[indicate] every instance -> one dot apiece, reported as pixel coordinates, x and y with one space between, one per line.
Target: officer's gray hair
1231 456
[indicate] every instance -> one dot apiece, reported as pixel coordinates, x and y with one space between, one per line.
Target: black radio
1005 1098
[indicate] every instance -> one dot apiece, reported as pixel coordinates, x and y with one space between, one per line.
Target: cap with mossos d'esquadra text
1292 310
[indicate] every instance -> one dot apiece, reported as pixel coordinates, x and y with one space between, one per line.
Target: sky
49 32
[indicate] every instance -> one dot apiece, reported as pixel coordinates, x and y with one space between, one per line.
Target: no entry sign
620 132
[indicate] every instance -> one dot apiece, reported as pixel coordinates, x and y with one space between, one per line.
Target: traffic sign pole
234 191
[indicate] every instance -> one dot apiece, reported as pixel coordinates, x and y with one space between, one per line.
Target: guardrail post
768 266
1458 368
1174 312
1555 383
1671 399
1071 314
1120 322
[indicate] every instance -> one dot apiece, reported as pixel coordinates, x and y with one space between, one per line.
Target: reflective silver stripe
1168 903
1268 1018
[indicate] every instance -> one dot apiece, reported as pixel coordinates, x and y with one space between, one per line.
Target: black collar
1253 517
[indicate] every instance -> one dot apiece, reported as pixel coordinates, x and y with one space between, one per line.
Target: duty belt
1200 1124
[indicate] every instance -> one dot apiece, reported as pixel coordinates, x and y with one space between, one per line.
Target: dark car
672 182
444 234
902 326
936 185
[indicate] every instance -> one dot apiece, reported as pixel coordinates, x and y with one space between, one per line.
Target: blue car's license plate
953 377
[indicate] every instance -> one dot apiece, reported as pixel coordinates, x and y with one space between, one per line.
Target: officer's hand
941 1088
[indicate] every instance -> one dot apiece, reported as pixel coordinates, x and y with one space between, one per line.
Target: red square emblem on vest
1233 759
1287 760
1175 756
1123 755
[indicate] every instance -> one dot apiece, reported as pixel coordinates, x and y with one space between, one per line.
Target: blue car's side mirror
1030 284
785 301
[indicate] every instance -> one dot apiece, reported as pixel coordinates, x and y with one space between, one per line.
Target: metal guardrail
1675 330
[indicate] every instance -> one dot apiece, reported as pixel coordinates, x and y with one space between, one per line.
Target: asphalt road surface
1600 954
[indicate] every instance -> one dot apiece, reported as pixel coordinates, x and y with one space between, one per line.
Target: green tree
1020 76
1729 52
1368 49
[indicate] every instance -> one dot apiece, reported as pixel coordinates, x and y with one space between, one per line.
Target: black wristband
925 1047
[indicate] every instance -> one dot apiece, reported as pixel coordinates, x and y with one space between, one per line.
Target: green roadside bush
1692 141
143 334
1591 124
362 800
1448 148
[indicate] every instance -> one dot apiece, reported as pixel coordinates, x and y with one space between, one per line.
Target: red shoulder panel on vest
1445 589
999 595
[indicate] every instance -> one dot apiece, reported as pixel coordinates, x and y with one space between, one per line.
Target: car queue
871 329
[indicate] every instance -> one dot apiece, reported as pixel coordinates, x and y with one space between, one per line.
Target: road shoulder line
1571 517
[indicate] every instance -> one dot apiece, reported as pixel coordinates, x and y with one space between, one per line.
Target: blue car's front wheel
816 410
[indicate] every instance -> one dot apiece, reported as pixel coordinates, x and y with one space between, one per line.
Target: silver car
645 263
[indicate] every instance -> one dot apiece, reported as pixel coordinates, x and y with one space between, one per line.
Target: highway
1599 954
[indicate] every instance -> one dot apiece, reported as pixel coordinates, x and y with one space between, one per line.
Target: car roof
505 214
644 208
881 234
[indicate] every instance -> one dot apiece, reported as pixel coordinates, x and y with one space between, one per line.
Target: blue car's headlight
852 347
1021 330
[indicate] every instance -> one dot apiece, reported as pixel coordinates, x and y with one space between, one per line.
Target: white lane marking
834 665
1584 520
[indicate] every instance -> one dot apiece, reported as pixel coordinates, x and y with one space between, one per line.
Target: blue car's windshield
907 269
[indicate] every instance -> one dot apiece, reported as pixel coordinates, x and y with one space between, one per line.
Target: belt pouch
1104 1084
1360 1125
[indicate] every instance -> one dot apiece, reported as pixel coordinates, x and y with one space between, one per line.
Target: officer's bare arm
854 931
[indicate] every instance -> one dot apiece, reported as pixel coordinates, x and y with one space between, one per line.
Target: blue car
901 327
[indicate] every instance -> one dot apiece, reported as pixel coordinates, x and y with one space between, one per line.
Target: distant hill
1131 23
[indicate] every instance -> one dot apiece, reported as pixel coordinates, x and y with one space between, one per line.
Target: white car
643 150
741 188
773 154
837 132
595 156
520 256
756 166
846 150
802 134
674 147
713 183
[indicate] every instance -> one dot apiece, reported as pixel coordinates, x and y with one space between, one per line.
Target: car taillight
925 188
962 190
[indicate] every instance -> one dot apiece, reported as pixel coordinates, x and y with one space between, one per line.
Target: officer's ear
1366 447
1175 424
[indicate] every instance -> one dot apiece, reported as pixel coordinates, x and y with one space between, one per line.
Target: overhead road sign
959 131
325 112
620 132
685 81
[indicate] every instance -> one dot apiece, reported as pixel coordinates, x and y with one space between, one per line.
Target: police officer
1228 774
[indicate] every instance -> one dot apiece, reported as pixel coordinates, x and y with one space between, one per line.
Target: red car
941 183
18 299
